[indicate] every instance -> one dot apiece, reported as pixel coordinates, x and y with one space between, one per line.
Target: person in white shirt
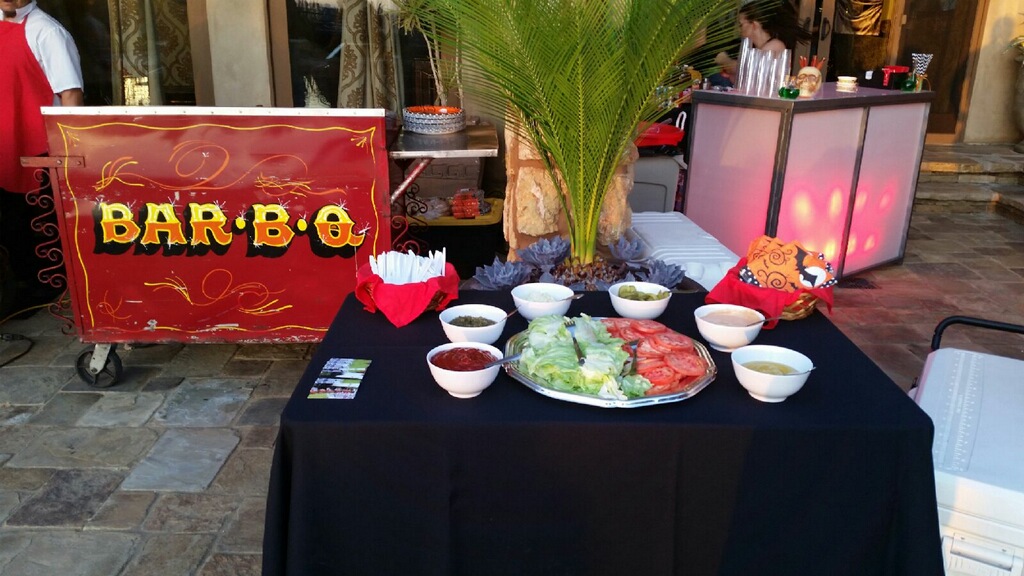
40 66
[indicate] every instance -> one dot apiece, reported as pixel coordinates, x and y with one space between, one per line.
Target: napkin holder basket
403 303
773 303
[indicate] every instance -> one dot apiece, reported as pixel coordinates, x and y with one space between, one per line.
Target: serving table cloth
405 479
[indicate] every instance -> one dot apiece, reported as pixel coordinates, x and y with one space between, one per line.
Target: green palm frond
579 76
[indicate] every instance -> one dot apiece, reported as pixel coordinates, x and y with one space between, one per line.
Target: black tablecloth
405 479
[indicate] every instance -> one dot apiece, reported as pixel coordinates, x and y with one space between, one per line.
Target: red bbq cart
212 224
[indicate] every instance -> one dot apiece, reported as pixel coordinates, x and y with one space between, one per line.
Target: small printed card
339 379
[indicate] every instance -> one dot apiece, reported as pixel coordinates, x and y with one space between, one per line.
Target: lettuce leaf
549 359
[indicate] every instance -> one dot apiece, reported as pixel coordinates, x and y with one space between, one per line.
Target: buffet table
404 479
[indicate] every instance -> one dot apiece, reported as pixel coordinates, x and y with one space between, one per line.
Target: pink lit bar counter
836 173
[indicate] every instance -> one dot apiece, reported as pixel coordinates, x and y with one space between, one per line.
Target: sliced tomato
662 347
629 334
660 376
647 364
671 341
659 390
613 323
648 326
645 350
686 364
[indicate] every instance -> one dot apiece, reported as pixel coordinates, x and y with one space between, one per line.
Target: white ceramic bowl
541 299
771 387
484 334
464 384
726 338
639 309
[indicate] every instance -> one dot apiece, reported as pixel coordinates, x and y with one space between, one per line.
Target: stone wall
533 209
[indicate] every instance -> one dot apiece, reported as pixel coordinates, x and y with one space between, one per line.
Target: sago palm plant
577 77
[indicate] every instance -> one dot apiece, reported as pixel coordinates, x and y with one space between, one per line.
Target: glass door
333 53
942 28
818 16
134 52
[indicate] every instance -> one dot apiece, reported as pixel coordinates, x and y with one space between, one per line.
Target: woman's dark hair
779 19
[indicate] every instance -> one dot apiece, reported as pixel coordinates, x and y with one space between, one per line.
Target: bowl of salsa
458 367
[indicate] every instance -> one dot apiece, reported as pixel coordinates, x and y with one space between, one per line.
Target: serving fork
633 344
570 325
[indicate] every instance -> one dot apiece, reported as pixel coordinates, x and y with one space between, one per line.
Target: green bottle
910 84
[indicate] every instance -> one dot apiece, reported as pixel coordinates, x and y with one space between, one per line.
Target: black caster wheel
103 378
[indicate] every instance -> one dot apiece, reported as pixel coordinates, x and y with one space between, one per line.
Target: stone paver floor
166 473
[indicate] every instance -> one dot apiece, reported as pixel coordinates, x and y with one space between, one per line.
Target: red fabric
403 303
24 89
768 301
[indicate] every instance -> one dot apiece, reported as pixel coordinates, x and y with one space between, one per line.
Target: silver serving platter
517 342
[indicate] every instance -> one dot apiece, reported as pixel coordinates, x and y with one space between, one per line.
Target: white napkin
398 268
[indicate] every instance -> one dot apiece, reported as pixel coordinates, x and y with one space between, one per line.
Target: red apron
23 90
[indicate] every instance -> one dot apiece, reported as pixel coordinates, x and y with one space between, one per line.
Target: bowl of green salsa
473 323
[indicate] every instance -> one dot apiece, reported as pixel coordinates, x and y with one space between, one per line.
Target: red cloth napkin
768 301
773 275
403 303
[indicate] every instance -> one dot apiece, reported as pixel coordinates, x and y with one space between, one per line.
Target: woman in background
771 26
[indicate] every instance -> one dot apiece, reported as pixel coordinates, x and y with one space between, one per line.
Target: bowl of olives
473 323
639 300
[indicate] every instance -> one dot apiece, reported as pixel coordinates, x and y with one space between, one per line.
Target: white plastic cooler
674 238
977 404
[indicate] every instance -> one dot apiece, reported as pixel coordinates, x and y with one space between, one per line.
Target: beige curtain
369 73
150 50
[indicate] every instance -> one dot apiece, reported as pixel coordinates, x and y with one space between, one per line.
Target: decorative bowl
538 299
771 387
464 384
433 119
639 309
717 331
483 334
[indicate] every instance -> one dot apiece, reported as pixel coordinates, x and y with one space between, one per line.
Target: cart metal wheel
100 367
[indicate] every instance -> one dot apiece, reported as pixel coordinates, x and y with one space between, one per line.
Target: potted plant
575 77
418 16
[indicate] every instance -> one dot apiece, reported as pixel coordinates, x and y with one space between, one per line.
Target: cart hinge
964 556
53 161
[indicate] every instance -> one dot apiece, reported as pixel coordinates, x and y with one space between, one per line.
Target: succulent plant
597 275
502 275
661 272
545 252
627 250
